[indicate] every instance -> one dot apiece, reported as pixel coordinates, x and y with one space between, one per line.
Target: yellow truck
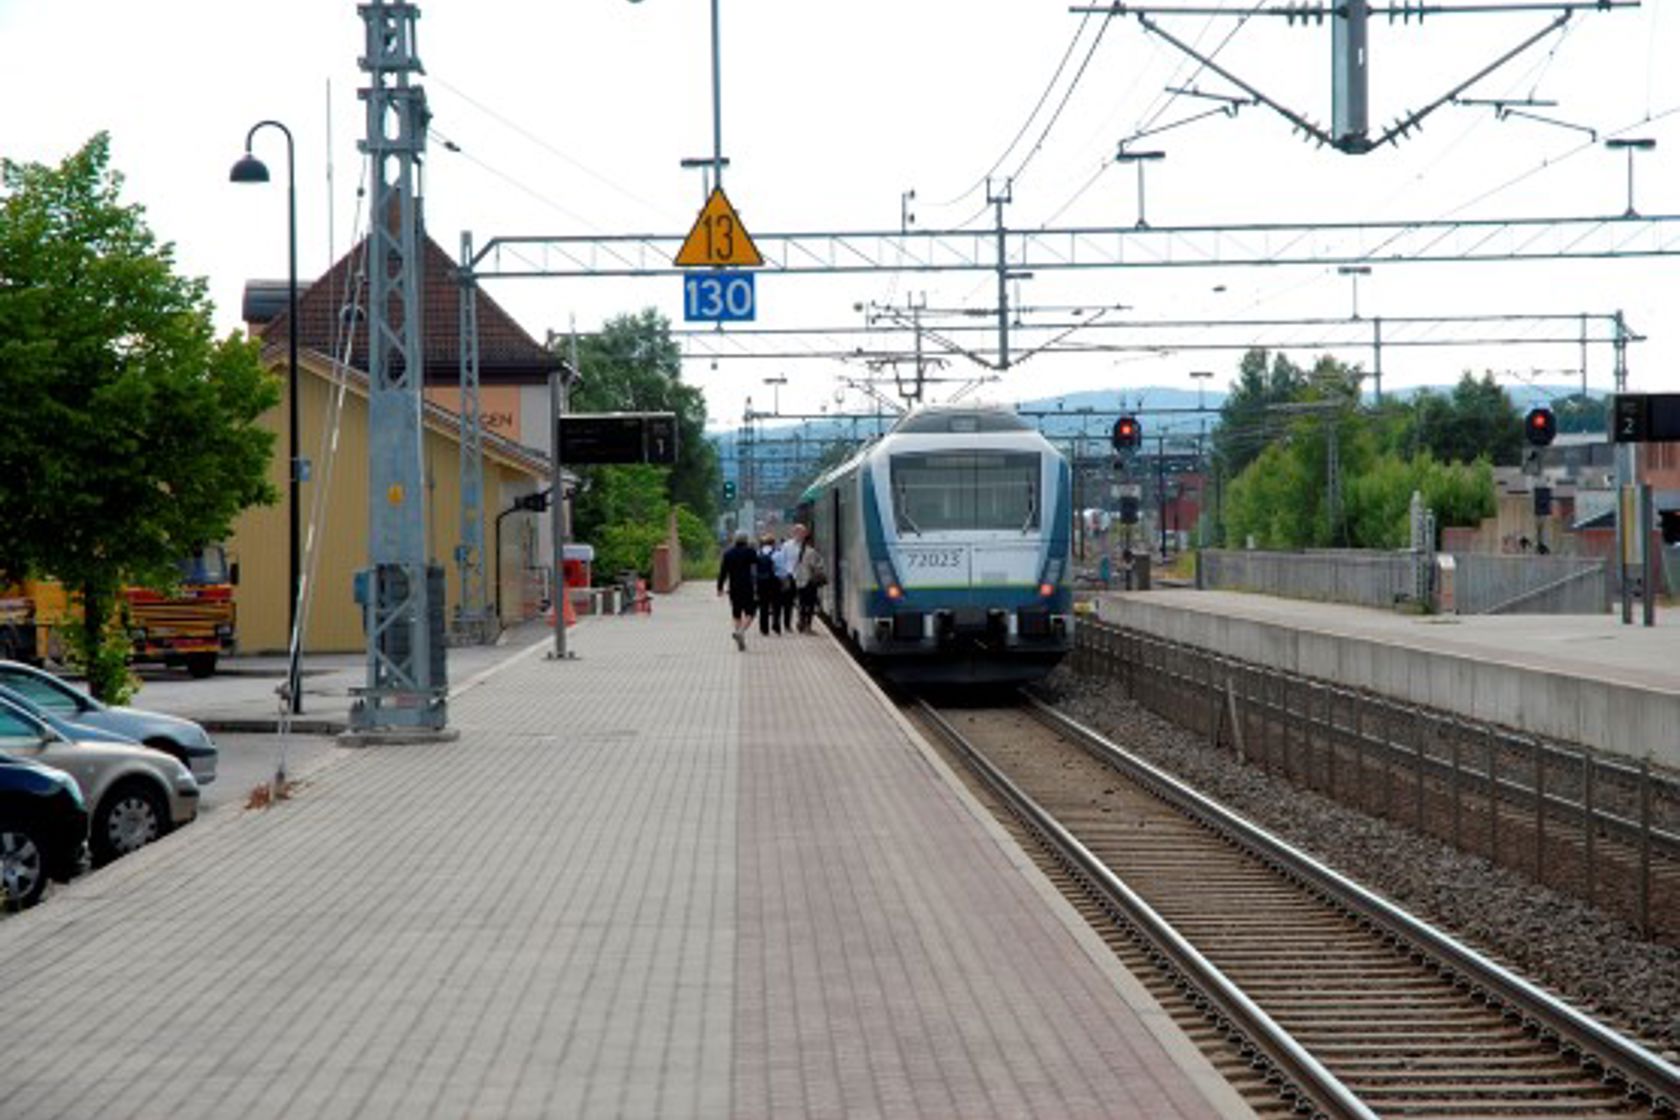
190 628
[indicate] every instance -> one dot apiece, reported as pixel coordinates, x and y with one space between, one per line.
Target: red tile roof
506 354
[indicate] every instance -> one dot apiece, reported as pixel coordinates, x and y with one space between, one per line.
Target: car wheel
132 816
201 665
23 866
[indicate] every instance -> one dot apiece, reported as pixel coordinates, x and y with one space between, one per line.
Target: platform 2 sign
719 297
605 438
1645 418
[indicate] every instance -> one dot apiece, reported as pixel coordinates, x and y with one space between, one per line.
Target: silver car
182 738
134 793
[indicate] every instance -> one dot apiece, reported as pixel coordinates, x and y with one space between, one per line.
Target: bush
624 547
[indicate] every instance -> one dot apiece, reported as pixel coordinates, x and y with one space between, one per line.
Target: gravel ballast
1597 962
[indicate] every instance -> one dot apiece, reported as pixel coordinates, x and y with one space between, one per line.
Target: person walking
787 559
809 575
768 586
738 570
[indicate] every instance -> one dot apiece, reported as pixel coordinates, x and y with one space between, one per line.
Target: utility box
576 565
1446 591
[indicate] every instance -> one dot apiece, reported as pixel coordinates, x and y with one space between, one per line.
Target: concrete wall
1622 719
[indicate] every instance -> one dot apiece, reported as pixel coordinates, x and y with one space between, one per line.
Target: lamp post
776 384
1630 145
1139 158
1354 272
250 169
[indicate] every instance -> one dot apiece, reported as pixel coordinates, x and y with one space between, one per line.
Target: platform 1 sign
725 296
592 438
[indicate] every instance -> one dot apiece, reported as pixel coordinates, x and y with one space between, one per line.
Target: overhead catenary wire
532 137
1043 97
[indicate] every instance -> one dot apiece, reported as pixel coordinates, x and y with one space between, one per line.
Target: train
947 542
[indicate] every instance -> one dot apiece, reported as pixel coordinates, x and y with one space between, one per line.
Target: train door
837 568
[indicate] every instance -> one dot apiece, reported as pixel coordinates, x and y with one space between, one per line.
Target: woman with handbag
808 575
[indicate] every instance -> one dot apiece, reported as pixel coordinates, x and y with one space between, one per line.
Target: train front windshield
937 492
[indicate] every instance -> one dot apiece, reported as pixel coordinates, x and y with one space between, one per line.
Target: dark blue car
43 829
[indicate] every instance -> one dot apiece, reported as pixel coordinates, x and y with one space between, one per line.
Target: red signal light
1128 433
1541 426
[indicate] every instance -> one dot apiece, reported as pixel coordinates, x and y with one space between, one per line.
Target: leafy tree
132 434
633 365
1476 420
1246 422
1582 413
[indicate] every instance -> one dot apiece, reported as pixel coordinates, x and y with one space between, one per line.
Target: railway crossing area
664 879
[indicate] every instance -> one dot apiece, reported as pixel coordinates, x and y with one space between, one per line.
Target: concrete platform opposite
1582 679
664 879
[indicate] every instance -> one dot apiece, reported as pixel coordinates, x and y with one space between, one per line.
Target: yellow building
513 367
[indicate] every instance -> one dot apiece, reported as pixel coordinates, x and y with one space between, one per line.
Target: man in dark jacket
739 571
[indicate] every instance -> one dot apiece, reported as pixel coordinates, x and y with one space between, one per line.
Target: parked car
135 794
182 738
43 829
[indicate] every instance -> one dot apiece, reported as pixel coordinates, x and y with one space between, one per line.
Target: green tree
1247 423
132 433
1582 413
1476 420
634 365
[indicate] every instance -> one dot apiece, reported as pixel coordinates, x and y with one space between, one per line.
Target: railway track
1311 993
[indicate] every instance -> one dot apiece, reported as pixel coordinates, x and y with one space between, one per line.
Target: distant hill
784 452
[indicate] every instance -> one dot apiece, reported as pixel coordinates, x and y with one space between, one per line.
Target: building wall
334 622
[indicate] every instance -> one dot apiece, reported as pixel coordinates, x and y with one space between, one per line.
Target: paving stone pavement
666 879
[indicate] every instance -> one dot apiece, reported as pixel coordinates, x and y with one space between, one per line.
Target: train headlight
1046 589
888 580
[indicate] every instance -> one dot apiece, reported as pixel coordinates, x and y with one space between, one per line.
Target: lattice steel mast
402 594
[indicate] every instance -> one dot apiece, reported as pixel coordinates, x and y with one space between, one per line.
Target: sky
573 117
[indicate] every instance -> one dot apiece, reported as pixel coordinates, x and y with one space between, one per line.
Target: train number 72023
941 559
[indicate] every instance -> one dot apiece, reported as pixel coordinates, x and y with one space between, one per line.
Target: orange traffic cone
569 610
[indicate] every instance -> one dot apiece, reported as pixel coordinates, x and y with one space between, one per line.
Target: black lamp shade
249 169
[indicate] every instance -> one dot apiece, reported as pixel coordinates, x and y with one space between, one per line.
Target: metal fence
1603 828
1482 583
1492 584
1367 579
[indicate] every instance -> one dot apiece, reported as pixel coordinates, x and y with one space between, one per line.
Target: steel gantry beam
1436 241
1375 333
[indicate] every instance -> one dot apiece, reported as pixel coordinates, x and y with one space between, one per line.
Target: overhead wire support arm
1288 114
1414 119
1319 12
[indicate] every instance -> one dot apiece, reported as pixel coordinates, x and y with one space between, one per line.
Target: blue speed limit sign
719 297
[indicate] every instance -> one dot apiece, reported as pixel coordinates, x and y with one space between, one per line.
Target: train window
961 420
941 491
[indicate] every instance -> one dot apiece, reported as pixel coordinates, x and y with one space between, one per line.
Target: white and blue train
947 545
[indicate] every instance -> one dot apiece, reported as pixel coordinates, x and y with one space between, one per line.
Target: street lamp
1200 376
250 169
1139 158
776 384
1630 145
1354 272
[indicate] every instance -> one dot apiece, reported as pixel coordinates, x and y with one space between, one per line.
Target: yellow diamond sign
718 239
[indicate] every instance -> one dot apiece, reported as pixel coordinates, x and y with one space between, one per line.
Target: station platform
1577 678
665 879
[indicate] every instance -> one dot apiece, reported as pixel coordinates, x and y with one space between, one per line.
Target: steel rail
1644 1073
1303 1072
